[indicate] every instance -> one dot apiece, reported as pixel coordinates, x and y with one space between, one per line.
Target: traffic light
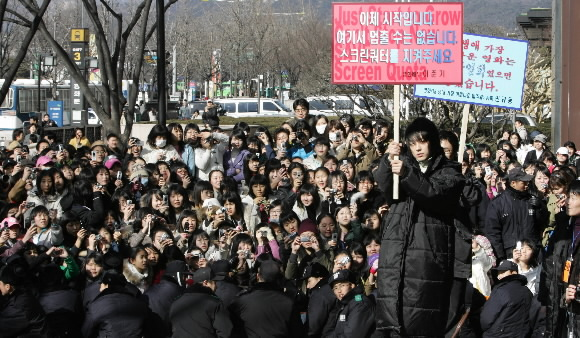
167 58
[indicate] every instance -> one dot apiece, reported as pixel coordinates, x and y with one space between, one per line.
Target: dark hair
423 129
573 188
158 130
348 119
313 191
241 238
187 213
134 251
239 133
570 144
535 251
301 102
241 126
452 139
197 189
233 197
518 136
42 174
259 179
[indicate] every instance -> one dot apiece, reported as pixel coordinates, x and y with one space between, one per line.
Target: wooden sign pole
396 132
463 136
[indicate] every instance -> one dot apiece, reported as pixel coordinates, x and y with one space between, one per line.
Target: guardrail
66 133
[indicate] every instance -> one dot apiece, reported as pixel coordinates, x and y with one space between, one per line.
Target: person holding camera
210 116
357 147
209 155
301 147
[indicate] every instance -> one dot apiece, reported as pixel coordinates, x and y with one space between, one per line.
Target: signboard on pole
55 110
494 71
397 43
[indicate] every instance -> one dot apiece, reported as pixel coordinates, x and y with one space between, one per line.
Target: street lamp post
43 60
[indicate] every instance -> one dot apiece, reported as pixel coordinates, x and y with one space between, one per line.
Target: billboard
397 43
494 71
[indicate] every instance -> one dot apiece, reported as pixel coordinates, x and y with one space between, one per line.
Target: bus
21 102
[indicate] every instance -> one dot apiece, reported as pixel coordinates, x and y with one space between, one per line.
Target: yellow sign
79 35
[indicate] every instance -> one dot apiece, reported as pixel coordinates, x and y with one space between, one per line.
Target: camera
258 133
119 175
93 155
335 236
18 159
164 237
293 235
98 237
300 135
60 148
332 191
488 171
30 205
304 239
99 185
209 139
129 202
355 138
221 210
33 174
165 199
264 233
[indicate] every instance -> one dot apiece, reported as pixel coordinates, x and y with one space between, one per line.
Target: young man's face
341 289
573 205
420 150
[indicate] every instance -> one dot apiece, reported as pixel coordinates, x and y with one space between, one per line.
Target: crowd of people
295 232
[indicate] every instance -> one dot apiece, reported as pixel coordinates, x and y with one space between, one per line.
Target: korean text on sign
397 43
493 73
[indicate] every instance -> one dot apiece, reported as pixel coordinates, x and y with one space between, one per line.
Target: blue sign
494 71
55 111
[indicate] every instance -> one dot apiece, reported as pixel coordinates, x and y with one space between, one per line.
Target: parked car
500 118
248 107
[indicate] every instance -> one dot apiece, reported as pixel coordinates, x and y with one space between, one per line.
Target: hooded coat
417 245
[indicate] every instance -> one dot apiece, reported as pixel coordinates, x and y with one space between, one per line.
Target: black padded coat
417 247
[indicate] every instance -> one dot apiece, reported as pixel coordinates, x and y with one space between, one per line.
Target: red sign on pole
396 43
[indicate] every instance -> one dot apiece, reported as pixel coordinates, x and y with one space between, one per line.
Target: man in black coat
117 313
265 310
161 296
514 215
354 315
226 287
417 248
321 301
198 312
507 312
20 313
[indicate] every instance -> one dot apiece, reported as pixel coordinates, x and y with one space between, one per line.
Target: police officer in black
354 314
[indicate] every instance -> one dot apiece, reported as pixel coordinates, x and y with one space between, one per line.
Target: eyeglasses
300 110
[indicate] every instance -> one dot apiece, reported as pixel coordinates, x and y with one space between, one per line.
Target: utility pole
161 71
174 64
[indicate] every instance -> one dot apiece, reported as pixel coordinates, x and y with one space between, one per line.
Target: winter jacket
416 265
21 315
227 291
207 160
188 157
49 236
64 312
151 154
354 316
320 305
509 220
49 201
506 313
265 311
231 164
160 297
116 313
362 160
93 218
140 280
211 117
552 288
199 313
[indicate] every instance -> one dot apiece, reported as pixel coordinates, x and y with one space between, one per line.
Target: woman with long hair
234 157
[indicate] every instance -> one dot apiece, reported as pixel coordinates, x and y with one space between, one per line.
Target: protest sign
494 72
396 43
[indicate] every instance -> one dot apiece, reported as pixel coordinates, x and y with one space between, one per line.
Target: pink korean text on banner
494 72
397 43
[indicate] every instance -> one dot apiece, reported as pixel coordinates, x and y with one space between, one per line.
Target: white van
248 107
343 104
